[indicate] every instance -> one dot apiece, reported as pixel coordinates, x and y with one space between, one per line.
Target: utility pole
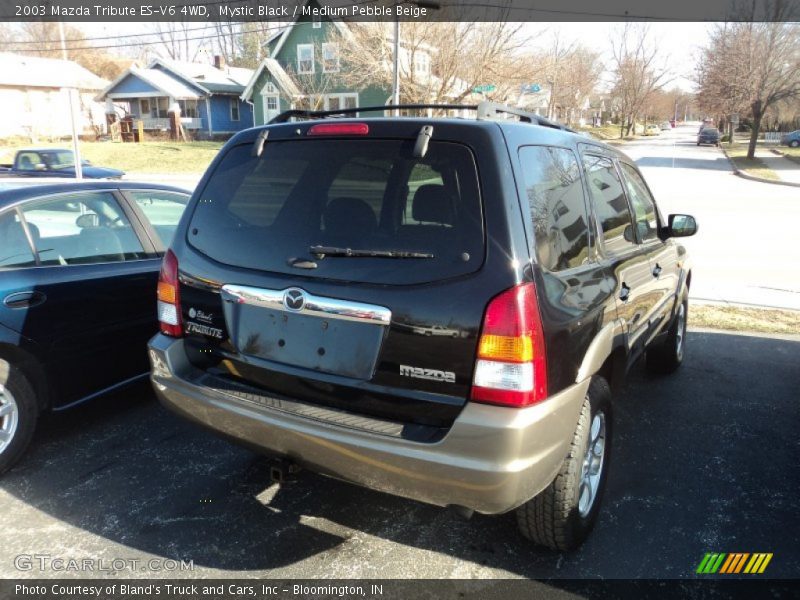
396 84
76 153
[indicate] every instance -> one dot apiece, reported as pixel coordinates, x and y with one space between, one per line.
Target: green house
302 71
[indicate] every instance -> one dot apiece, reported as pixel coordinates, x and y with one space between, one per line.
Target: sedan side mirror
682 225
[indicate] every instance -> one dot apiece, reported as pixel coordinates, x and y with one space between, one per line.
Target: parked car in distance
53 162
672 122
341 295
665 126
791 139
708 135
79 266
652 129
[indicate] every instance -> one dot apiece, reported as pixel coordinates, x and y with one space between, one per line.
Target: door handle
656 270
624 292
24 299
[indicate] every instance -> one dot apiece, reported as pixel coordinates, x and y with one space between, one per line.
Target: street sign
531 88
482 89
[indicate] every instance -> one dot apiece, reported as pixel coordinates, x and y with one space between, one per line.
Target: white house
34 100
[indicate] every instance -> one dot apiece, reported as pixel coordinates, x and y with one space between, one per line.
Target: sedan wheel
9 418
18 414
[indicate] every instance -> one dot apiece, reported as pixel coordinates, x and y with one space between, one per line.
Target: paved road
704 461
746 250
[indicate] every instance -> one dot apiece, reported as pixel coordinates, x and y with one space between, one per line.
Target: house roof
154 77
33 71
284 34
230 80
281 78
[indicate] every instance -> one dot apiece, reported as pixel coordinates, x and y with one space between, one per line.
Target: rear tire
666 357
563 514
794 144
18 414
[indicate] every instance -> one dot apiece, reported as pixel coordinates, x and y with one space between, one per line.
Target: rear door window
610 205
162 209
367 195
558 207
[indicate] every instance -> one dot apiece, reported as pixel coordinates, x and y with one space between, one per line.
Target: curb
744 175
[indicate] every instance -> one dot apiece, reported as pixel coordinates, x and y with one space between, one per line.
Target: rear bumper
491 460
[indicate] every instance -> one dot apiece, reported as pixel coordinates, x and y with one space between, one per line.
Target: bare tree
439 62
638 72
751 67
572 73
174 40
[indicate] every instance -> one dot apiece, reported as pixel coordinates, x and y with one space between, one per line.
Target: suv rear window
261 212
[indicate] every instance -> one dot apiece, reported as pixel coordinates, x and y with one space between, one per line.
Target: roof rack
485 111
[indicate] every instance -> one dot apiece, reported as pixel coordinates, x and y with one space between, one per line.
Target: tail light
511 369
169 301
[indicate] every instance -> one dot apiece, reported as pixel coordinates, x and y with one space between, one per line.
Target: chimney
219 62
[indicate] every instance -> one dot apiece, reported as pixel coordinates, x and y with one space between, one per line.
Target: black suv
435 308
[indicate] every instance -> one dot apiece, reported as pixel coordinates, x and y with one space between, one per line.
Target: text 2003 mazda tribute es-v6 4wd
434 308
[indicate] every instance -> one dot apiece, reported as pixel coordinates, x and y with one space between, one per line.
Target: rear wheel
18 414
794 143
562 516
666 357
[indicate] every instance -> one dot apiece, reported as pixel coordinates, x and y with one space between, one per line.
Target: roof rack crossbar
321 114
485 110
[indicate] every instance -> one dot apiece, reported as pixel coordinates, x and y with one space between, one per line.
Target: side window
644 208
610 206
558 207
15 250
27 161
163 210
73 229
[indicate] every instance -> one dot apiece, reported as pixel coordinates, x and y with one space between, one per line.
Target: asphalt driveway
703 462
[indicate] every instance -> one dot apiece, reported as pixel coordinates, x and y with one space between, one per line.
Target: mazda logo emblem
294 299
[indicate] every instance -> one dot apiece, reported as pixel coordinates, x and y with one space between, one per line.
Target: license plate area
296 328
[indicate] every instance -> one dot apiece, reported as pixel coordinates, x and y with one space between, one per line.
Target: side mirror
87 221
40 167
682 225
627 233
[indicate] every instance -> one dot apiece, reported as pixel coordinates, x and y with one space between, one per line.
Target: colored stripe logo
734 562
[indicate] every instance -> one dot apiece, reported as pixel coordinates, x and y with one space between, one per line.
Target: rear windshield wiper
323 251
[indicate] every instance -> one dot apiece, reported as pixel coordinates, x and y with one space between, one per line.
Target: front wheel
794 144
667 356
18 414
563 514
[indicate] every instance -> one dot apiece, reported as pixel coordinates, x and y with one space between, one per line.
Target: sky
679 42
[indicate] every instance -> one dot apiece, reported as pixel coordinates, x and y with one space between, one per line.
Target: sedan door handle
24 299
624 292
656 270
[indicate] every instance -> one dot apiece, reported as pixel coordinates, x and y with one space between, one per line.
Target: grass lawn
738 154
792 154
605 133
147 157
734 318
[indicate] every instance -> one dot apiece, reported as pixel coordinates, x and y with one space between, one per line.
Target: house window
234 109
188 108
305 58
316 22
340 101
330 58
154 108
422 63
